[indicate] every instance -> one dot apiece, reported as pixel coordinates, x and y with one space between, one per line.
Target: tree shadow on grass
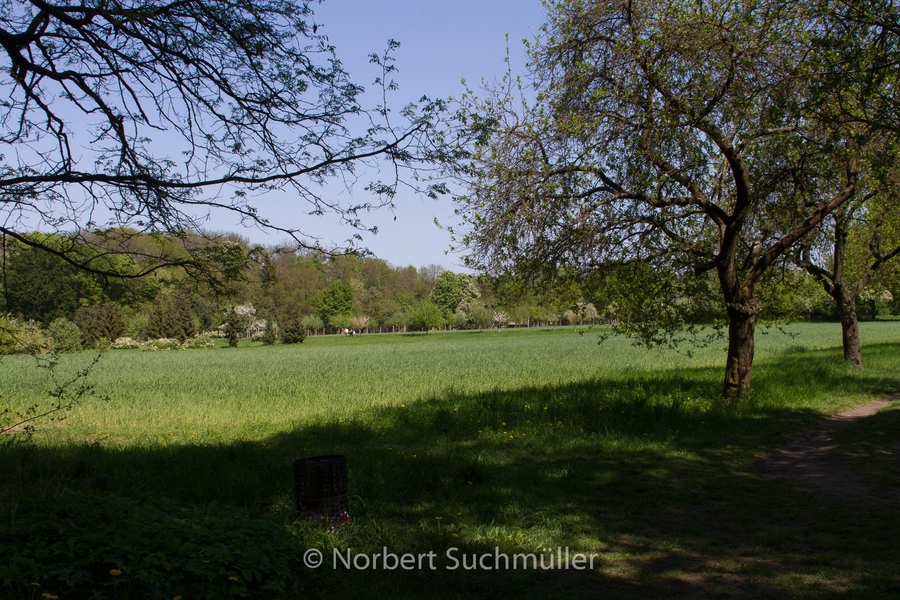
650 473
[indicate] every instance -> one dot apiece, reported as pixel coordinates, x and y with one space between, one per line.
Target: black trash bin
322 486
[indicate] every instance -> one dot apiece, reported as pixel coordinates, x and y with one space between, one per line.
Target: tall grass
516 439
265 389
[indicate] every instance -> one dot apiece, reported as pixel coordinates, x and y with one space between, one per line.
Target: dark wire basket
322 486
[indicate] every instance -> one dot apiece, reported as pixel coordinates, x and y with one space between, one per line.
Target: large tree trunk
844 295
850 333
739 363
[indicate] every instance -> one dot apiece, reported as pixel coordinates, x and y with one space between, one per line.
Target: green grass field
519 441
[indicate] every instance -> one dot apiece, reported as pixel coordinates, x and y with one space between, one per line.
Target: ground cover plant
180 483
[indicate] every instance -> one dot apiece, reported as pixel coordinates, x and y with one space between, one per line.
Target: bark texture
739 363
850 333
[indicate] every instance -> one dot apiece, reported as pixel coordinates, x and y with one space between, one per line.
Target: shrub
125 343
198 342
17 337
293 330
31 338
162 344
269 334
7 336
64 336
235 327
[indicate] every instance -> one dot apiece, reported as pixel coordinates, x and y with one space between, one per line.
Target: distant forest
236 289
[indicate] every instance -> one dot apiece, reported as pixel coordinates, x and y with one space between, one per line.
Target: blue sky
441 43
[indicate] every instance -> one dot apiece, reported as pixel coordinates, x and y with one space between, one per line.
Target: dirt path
808 462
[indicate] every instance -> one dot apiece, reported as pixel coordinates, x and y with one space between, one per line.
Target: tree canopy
692 137
451 289
858 247
151 114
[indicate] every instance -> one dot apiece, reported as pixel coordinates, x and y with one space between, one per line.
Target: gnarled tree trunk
740 302
739 363
850 332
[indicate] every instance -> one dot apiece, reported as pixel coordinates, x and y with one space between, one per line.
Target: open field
515 440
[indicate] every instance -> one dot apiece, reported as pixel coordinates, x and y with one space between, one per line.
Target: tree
862 245
480 315
336 304
292 330
360 323
270 333
451 289
473 314
186 328
339 321
312 323
238 320
863 39
861 240
101 323
425 315
171 317
153 114
398 321
41 286
586 311
678 135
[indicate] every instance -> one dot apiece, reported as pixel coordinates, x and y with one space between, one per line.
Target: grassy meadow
178 482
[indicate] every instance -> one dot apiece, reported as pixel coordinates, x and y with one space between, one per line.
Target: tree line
241 290
273 293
